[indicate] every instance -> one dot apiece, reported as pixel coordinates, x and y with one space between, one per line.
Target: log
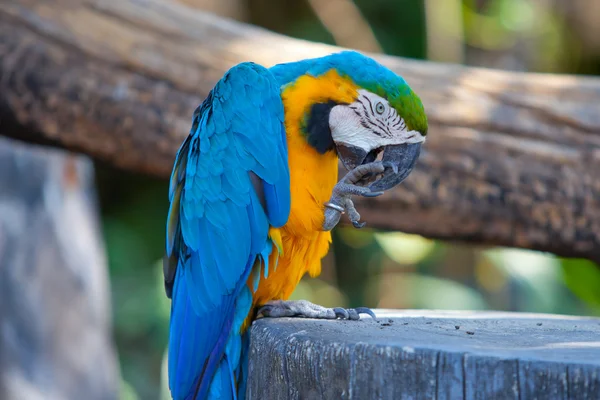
56 336
511 158
427 355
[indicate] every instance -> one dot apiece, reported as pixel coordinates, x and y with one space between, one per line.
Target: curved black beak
399 161
402 158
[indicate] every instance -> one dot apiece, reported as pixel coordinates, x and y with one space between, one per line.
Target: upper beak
403 157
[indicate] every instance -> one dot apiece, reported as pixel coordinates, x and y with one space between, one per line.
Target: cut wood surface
511 158
427 355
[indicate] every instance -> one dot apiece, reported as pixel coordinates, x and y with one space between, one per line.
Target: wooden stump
427 355
55 341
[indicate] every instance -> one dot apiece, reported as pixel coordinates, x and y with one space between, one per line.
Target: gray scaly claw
340 199
306 309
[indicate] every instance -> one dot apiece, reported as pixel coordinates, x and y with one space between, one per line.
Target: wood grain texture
511 158
56 333
426 355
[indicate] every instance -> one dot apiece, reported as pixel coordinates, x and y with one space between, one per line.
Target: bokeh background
367 267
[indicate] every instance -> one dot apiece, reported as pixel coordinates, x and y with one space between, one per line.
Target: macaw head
380 125
364 111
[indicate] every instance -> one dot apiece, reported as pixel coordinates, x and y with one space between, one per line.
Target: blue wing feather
217 226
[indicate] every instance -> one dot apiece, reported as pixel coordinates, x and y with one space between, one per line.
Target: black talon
371 194
359 225
341 313
366 310
393 166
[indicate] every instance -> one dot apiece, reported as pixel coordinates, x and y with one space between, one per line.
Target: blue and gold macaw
254 194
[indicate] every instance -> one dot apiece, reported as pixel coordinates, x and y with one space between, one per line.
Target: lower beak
352 156
403 158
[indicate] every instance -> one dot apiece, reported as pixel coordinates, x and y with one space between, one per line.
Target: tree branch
344 21
511 159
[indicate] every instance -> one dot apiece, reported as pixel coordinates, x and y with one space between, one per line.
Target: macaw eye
380 108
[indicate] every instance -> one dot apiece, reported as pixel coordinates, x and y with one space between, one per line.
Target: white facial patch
369 123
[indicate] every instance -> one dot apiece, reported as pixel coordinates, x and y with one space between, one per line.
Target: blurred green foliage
376 269
134 211
583 277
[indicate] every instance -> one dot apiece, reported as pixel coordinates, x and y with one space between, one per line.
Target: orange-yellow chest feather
301 241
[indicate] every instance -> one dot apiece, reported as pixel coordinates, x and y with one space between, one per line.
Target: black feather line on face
317 130
373 125
381 126
367 126
370 105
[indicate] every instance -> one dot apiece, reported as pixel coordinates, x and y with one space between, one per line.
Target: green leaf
583 278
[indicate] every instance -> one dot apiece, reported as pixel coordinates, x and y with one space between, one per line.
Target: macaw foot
341 202
306 309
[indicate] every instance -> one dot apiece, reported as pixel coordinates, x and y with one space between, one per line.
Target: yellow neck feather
312 175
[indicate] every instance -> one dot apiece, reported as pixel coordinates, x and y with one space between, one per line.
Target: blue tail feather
243 370
195 369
